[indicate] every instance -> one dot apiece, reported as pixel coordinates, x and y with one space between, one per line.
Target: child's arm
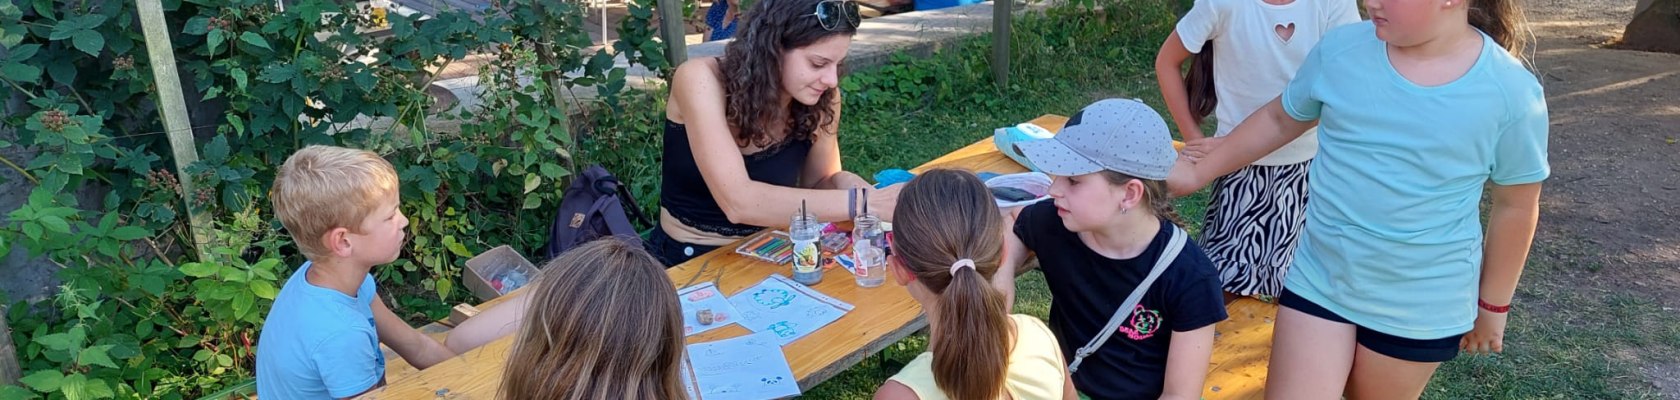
1015 253
1068 391
419 350
1510 232
1268 129
491 324
1168 62
1187 363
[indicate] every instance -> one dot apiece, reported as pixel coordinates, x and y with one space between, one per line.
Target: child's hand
1196 149
1488 336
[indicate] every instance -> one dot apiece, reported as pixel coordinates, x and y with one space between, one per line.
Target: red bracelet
1493 308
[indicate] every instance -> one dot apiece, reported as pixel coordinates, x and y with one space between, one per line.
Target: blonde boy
322 337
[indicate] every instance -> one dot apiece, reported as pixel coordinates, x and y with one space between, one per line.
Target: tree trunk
1655 27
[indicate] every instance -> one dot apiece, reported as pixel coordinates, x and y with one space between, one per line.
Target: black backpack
595 205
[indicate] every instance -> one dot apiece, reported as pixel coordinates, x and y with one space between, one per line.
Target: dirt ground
1615 188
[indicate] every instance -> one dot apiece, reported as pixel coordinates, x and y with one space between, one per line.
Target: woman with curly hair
751 136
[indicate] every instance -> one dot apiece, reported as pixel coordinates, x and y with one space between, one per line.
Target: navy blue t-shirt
1087 287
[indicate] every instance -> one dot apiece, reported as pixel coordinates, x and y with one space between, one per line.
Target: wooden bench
1242 344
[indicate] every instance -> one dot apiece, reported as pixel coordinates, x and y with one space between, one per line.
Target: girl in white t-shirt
1255 216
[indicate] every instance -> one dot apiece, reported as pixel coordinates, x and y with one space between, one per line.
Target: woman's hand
882 201
1183 180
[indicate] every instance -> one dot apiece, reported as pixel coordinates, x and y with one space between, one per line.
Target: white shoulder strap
1174 246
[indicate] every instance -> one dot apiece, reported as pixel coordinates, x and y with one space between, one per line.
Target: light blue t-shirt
1393 239
318 343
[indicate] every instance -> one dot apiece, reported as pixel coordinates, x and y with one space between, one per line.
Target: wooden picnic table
881 317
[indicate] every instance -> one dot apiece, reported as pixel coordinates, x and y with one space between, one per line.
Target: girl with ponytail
1421 112
946 242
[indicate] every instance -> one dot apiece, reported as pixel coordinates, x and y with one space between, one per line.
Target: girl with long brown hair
750 137
600 322
1420 111
946 242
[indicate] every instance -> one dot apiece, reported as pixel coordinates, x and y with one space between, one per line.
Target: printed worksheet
785 308
704 297
750 367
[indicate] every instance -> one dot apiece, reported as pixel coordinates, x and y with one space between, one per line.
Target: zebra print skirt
1253 223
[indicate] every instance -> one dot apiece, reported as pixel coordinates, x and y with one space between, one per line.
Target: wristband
1493 308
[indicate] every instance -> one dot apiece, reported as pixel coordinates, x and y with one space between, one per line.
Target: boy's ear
337 242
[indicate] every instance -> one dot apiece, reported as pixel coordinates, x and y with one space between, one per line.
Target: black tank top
683 192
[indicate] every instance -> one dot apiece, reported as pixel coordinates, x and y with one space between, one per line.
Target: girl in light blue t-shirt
1417 110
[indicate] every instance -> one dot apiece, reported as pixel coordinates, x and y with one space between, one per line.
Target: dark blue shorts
1415 350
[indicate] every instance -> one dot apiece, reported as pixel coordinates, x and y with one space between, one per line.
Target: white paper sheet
704 296
786 308
750 367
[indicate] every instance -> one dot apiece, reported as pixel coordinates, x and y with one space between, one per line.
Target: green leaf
78 387
456 247
124 346
32 230
254 39
467 161
264 290
12 392
242 303
151 284
237 123
96 355
276 73
217 150
552 170
59 341
54 183
19 72
22 53
224 360
197 26
89 41
11 35
215 39
45 381
241 80
532 181
127 233
55 224
198 270
443 288
532 200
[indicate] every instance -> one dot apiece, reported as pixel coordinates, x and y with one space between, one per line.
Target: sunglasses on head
831 13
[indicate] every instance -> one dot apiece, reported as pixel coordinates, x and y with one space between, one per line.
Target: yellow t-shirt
1036 370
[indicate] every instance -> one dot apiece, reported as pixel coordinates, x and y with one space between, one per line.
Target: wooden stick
173 107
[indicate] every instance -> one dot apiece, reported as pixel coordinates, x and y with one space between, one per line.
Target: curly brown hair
753 82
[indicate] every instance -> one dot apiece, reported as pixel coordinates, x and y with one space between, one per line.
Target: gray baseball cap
1120 135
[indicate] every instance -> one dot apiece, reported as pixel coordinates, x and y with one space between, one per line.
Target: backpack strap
1174 246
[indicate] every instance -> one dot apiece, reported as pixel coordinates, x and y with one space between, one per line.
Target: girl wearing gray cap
1133 302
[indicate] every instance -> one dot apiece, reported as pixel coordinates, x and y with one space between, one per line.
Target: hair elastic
960 264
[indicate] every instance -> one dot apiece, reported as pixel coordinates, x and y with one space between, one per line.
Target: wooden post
1001 14
9 369
173 107
672 31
